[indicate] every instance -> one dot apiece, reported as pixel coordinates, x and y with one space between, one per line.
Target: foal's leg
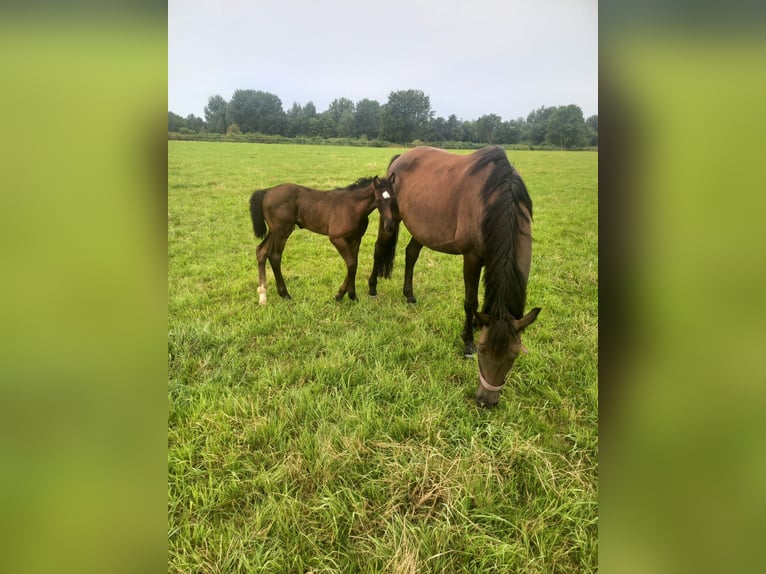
349 250
471 275
261 253
275 258
411 256
354 245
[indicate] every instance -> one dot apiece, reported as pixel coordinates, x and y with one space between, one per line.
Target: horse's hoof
285 296
352 297
411 299
470 351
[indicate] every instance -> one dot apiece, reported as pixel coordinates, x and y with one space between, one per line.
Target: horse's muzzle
389 226
485 401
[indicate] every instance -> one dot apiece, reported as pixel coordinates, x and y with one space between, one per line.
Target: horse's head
386 201
499 346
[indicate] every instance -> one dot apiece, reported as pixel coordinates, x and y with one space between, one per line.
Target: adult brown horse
341 214
476 206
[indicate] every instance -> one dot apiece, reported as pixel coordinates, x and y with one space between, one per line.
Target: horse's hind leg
411 256
275 258
261 254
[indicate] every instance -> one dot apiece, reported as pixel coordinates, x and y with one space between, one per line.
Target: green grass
316 436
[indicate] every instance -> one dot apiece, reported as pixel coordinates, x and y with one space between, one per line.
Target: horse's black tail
385 249
256 213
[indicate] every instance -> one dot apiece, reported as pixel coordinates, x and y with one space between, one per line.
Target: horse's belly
439 231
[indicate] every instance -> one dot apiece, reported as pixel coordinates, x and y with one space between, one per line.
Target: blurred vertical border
83 199
682 277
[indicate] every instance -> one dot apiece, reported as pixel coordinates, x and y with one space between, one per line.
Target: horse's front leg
411 257
349 250
383 260
471 275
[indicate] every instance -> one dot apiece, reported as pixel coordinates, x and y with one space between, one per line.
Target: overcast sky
471 57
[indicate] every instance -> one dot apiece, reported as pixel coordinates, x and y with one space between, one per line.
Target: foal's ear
526 320
484 319
376 181
392 178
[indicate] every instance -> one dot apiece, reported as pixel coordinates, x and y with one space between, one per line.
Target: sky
471 57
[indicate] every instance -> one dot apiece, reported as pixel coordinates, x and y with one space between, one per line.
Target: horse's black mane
505 287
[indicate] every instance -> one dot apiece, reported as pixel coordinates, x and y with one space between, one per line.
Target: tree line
405 118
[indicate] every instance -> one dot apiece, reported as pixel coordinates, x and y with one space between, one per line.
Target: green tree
175 122
300 120
592 124
215 114
437 130
297 124
468 132
341 113
406 115
453 129
257 111
509 132
566 127
487 127
194 123
367 119
323 125
536 126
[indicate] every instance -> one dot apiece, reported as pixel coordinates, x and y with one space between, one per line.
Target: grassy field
316 436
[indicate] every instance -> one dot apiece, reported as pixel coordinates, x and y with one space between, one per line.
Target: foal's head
386 201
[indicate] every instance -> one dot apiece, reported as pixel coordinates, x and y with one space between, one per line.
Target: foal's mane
360 183
505 287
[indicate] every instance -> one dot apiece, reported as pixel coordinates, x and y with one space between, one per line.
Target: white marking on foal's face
386 195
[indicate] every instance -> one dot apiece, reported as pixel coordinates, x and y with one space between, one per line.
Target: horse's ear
376 181
392 179
526 320
484 319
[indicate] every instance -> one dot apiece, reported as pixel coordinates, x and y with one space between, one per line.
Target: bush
233 129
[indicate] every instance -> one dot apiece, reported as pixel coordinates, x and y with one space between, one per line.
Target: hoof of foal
470 351
411 299
285 296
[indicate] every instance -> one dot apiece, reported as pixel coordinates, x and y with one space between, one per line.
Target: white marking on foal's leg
261 295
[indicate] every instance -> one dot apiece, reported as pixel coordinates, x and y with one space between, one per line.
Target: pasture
316 436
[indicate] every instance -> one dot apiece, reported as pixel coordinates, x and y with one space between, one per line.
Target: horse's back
439 198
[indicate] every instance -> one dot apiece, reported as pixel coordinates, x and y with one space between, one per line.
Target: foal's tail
385 249
256 213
